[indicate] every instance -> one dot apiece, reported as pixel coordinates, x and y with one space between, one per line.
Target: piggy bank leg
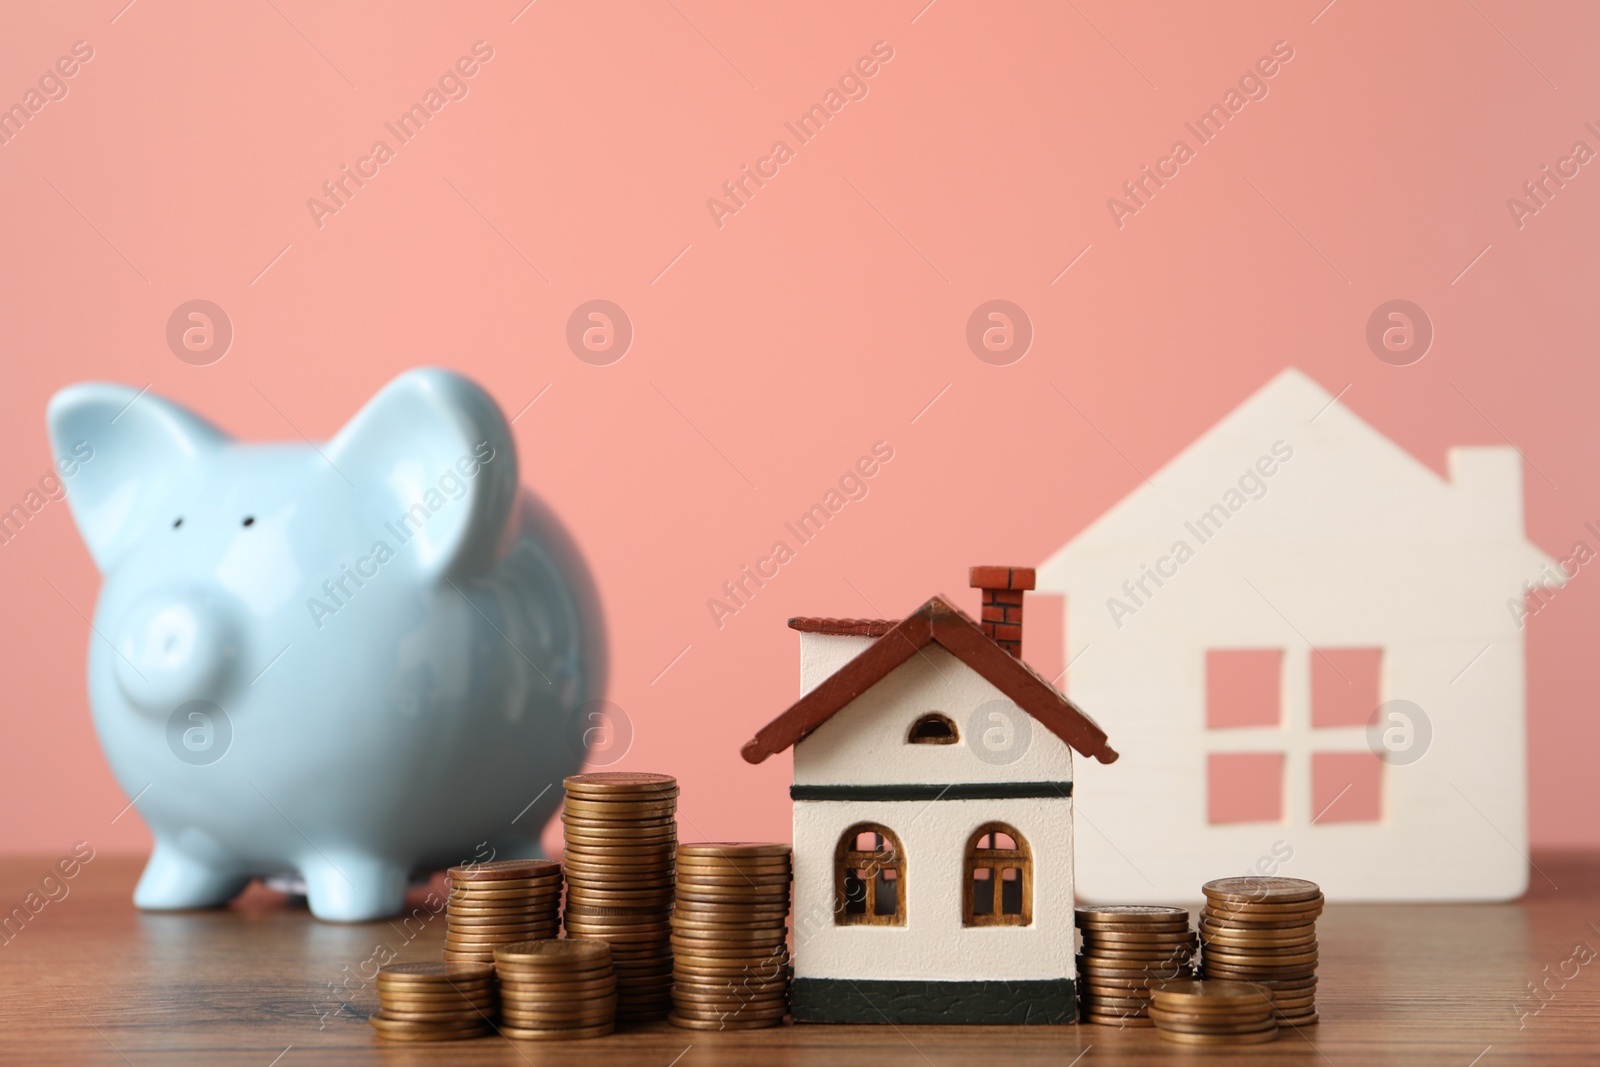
353 888
174 880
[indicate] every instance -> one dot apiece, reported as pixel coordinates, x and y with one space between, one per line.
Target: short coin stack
556 990
434 1001
1207 1012
730 959
499 902
1264 931
1125 948
621 829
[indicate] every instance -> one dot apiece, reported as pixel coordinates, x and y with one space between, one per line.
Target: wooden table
90 980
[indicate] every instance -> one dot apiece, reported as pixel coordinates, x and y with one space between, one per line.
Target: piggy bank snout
174 647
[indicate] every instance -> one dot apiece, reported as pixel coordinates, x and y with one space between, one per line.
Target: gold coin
576 1011
1255 943
466 991
550 876
714 850
1229 1029
490 897
695 971
1298 1021
1157 937
695 861
1202 993
462 902
1264 889
733 987
1291 985
518 1033
607 783
1260 921
487 928
726 932
1129 913
1242 1015
1259 1038
450 1003
616 839
516 975
1248 972
569 990
1218 954
725 911
546 992
690 1023
618 821
1260 912
614 802
496 869
571 952
502 917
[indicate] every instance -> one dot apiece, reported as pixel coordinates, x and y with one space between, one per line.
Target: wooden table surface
90 980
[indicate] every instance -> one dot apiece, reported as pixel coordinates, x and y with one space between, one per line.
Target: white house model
933 826
1310 647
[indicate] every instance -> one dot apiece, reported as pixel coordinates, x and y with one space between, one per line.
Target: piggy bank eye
249 520
177 522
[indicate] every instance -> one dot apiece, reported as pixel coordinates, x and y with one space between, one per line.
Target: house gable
936 623
867 742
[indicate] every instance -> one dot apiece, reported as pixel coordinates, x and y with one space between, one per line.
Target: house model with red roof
933 819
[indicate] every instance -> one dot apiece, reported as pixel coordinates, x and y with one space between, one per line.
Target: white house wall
1355 543
933 944
864 744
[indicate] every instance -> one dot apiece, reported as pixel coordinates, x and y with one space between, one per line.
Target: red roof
936 622
843 627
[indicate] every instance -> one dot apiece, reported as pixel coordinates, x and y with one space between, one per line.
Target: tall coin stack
621 829
556 990
1264 931
499 902
1207 1012
434 1001
1126 947
730 959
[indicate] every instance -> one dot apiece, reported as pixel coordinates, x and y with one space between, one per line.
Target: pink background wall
825 315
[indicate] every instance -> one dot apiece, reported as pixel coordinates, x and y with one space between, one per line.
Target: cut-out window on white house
1244 692
1346 786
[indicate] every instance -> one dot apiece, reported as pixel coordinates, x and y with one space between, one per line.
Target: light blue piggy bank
352 661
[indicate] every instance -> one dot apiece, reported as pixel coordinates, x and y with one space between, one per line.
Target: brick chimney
1002 603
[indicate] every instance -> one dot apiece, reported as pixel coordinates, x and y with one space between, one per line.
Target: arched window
933 729
869 871
999 878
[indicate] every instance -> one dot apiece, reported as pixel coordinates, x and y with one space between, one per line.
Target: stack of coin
434 1001
621 829
556 990
1264 930
499 902
1126 947
1211 1012
730 959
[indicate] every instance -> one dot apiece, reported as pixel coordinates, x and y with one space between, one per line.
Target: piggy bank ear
124 455
438 449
